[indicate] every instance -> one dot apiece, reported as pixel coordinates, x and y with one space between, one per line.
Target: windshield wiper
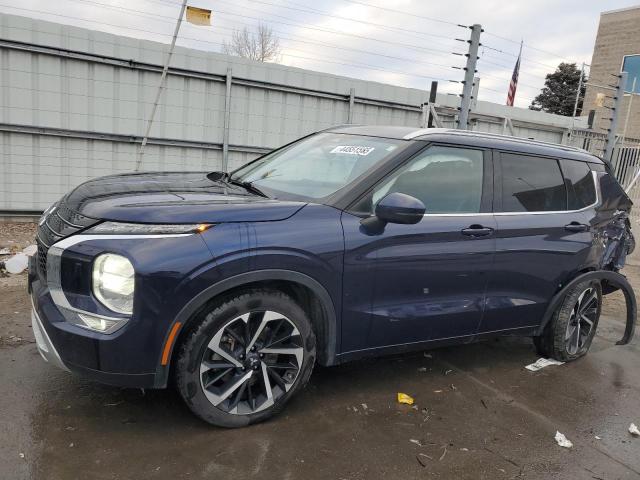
228 179
247 186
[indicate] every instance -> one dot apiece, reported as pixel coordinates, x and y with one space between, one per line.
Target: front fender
188 312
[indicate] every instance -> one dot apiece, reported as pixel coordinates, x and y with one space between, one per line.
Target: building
617 49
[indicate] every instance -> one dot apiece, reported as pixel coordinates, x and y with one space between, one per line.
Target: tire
235 345
568 336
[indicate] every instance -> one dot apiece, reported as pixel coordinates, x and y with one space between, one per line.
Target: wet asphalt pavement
479 414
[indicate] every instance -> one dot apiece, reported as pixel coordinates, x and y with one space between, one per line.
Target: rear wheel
569 333
246 358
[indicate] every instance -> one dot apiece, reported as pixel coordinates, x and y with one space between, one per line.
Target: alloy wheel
251 362
582 320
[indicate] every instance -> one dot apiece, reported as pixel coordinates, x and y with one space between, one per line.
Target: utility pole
615 113
575 105
163 79
469 73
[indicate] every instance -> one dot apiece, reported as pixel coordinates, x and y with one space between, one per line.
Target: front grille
42 260
60 223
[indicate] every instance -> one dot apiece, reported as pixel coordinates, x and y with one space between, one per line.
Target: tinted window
581 191
532 184
446 180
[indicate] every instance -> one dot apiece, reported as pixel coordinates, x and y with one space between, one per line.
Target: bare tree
261 45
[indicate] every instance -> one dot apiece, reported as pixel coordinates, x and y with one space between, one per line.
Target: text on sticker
353 150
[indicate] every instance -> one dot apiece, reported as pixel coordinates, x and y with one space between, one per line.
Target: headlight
114 282
114 228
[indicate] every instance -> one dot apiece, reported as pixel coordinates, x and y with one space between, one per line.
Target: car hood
173 197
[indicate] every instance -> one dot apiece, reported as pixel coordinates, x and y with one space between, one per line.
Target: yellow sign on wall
599 100
198 16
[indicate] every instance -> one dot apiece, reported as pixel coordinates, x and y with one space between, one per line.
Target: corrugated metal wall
74 104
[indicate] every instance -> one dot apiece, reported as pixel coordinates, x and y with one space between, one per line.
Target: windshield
317 166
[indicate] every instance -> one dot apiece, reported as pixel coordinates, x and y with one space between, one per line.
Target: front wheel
569 333
246 358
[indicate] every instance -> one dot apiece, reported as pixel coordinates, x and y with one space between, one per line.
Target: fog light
114 282
101 324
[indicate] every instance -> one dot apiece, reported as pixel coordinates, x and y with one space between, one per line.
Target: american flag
513 85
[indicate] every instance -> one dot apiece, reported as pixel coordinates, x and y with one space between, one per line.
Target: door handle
476 231
576 227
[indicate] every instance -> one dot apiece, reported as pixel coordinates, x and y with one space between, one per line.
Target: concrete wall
618 35
73 105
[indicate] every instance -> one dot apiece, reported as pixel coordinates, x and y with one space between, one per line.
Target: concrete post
227 122
615 114
469 73
352 101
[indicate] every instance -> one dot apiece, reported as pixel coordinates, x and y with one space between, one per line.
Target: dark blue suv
351 242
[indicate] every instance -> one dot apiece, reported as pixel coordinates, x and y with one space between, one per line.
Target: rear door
544 209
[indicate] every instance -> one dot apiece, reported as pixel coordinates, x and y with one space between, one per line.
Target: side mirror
394 208
400 208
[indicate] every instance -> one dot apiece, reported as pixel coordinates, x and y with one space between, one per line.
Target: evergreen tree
559 93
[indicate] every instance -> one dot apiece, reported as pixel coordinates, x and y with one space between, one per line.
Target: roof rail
432 131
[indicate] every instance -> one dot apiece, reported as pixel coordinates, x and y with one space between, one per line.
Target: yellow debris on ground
404 398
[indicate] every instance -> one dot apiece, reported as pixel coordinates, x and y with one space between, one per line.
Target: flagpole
163 78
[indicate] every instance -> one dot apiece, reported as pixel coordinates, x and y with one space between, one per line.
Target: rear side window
532 184
581 191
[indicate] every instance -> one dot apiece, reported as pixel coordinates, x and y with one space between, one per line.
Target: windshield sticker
353 150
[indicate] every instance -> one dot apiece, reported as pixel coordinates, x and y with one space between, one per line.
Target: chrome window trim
54 278
596 184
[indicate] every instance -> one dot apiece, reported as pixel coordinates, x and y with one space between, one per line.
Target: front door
416 283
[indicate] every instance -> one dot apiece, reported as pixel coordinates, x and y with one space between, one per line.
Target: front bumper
88 354
45 347
130 356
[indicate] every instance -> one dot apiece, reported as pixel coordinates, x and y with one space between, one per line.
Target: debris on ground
17 264
5 251
443 453
30 251
541 363
422 459
417 442
427 355
633 430
422 369
404 398
21 455
598 438
563 441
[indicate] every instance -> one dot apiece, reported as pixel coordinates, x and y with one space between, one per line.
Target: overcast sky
402 42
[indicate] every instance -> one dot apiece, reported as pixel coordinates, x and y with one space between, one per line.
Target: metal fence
73 105
625 161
